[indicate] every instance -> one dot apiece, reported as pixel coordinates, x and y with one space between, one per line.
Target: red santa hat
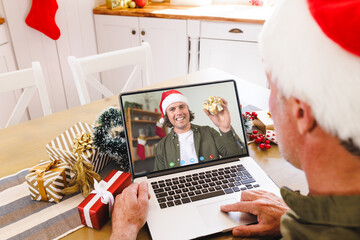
168 98
312 50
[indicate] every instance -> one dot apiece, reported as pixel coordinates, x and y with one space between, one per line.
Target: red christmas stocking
42 18
159 130
141 148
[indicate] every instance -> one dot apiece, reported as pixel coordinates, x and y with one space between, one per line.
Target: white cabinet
167 37
233 48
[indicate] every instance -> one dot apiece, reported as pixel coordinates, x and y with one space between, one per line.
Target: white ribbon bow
100 189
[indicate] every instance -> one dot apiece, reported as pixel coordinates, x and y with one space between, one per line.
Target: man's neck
184 130
330 169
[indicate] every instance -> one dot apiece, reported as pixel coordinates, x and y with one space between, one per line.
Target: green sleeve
229 143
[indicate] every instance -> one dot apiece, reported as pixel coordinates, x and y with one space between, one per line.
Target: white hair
308 65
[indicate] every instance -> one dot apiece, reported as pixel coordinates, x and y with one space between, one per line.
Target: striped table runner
23 218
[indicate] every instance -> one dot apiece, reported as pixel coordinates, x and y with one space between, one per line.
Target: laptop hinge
191 167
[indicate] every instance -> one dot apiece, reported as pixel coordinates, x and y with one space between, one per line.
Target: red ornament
255 132
267 146
262 145
267 141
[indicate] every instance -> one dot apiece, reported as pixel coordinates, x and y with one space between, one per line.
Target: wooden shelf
138 159
143 121
149 138
145 112
133 125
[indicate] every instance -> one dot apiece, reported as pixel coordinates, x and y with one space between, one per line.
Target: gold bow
82 142
213 105
40 172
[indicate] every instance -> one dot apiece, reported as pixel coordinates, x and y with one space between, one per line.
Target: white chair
83 68
29 80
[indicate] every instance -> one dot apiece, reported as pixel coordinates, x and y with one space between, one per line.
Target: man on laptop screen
186 132
189 143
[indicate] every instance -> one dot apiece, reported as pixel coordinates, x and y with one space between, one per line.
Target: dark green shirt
320 217
209 144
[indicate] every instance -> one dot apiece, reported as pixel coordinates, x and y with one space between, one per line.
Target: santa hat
312 50
168 98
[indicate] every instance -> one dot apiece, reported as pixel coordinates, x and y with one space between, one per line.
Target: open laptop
186 195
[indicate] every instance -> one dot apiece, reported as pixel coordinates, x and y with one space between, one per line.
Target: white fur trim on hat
173 98
308 65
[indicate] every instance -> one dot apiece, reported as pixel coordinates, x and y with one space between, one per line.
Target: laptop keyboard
203 185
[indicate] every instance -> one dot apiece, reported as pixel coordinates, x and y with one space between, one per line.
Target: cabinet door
169 44
239 58
114 33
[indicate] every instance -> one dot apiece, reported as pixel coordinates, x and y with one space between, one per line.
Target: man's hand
130 211
266 206
222 119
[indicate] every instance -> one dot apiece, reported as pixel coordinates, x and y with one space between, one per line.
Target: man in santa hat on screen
311 52
185 144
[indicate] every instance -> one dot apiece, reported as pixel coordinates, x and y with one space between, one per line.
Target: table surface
23 145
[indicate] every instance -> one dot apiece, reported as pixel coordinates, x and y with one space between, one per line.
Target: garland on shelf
109 142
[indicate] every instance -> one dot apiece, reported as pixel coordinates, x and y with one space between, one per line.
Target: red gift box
93 212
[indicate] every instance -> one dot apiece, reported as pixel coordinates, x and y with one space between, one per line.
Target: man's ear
305 121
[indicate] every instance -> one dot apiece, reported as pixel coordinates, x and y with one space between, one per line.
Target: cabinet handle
143 32
133 32
236 30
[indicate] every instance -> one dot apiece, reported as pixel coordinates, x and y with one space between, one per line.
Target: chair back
84 68
30 80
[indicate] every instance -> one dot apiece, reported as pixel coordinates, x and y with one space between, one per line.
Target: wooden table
23 145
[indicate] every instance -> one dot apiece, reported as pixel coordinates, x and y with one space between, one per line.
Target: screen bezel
188 167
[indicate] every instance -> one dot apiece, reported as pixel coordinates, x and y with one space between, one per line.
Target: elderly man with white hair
311 52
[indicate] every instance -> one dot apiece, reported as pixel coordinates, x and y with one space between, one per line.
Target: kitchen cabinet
233 48
167 38
8 100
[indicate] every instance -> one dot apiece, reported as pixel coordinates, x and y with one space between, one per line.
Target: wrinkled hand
130 211
266 206
222 119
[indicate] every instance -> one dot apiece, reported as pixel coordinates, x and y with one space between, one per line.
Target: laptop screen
171 128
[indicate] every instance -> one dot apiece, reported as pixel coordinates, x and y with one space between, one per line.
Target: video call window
154 147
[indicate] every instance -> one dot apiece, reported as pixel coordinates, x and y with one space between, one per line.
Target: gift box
47 179
263 121
113 4
61 148
96 208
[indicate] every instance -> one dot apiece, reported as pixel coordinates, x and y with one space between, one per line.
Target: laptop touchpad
215 218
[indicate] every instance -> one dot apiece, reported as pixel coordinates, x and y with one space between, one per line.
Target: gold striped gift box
61 148
47 179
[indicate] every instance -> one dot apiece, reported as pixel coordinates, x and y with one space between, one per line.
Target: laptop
186 194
